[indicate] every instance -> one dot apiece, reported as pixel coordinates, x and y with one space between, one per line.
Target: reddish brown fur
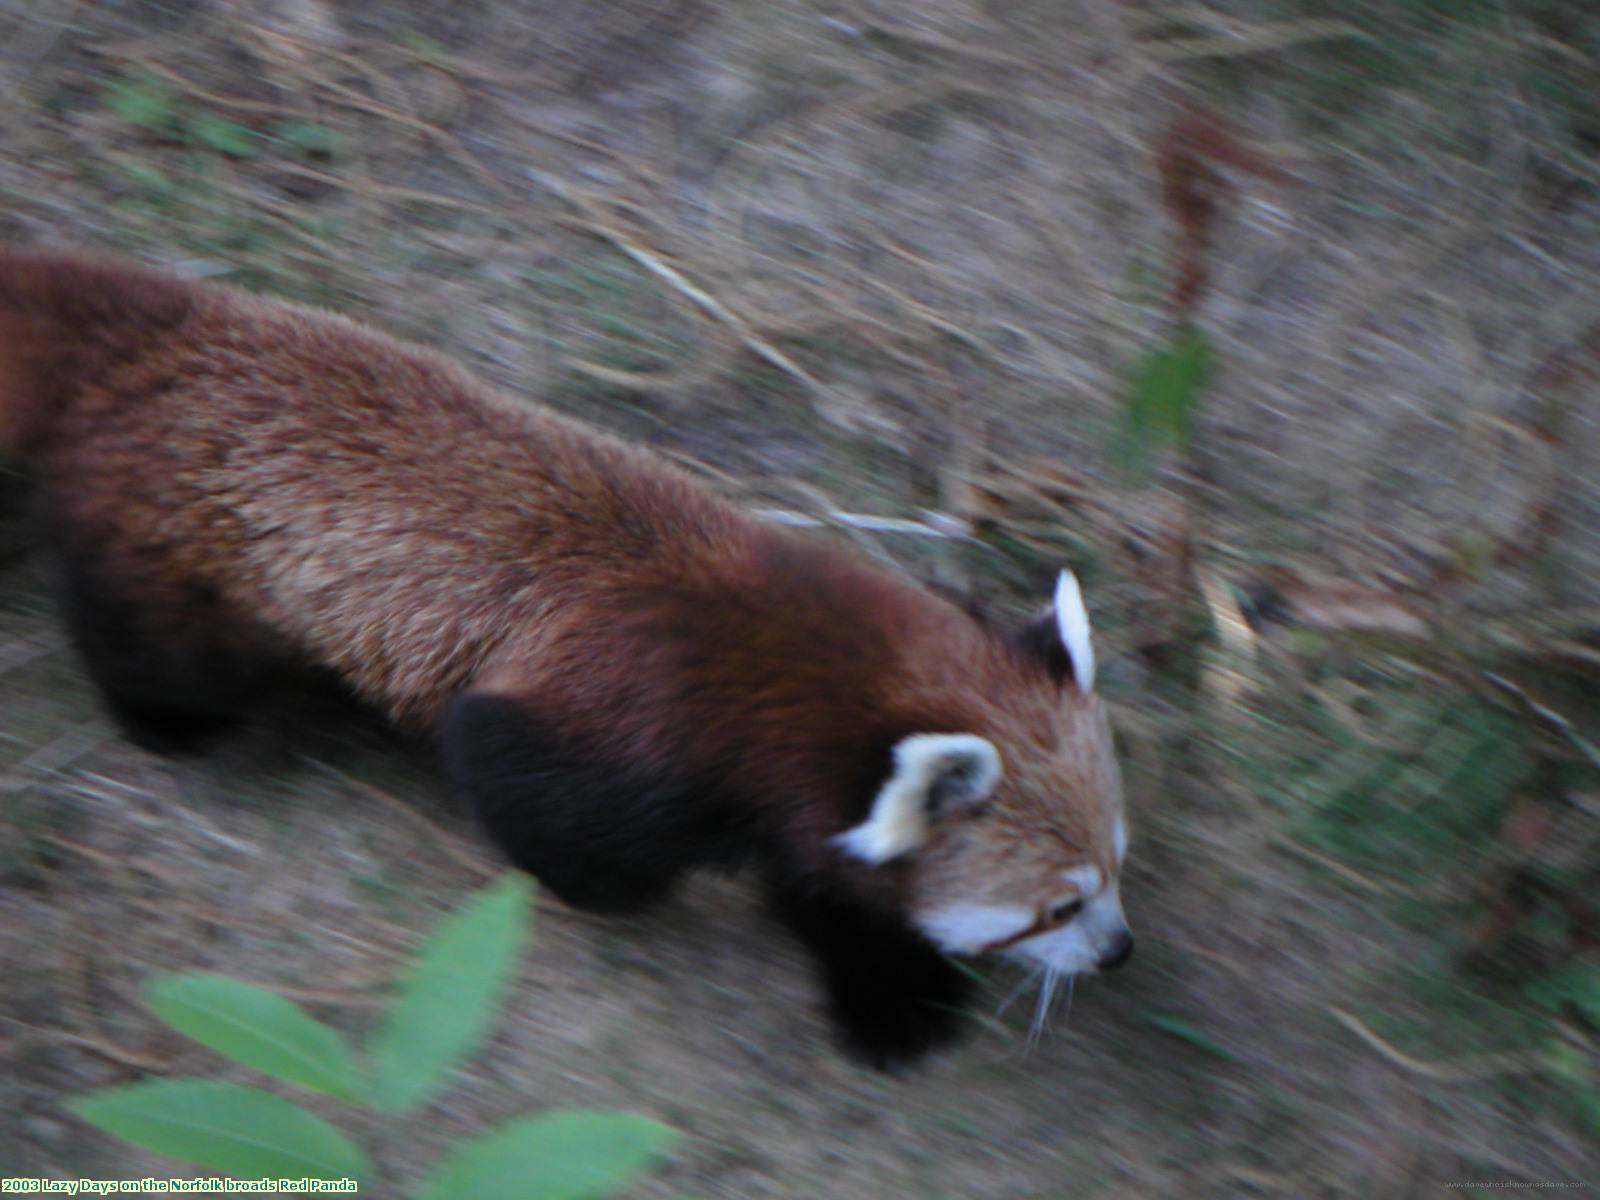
195 433
64 318
250 477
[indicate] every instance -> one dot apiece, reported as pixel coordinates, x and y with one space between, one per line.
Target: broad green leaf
556 1156
257 1028
1162 397
447 1001
236 1130
223 136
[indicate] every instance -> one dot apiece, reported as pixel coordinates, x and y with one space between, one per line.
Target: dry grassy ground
937 236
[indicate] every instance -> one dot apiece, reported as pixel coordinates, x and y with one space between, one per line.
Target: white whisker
1041 1009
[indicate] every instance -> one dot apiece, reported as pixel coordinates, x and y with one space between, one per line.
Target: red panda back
64 316
272 471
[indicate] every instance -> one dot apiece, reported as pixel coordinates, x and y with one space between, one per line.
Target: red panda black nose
1119 952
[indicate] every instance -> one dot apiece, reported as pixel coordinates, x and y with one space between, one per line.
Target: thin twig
1470 1069
1549 716
1348 874
102 1047
936 525
1274 35
675 279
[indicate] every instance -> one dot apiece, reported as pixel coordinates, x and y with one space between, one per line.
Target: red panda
627 676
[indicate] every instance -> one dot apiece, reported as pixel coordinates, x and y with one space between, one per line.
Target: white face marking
1119 840
968 928
1077 946
965 764
1087 879
1065 951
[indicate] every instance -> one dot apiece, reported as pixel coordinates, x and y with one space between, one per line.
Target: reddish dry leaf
1055 483
1034 490
1336 604
1192 190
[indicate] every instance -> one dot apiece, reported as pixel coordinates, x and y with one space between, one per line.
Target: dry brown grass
944 221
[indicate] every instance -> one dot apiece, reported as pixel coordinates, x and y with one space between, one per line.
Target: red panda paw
893 997
894 1034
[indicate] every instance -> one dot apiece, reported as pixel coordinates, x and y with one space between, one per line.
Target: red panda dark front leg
608 836
16 495
602 834
891 993
172 692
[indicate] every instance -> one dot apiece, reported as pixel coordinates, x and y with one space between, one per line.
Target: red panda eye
1060 914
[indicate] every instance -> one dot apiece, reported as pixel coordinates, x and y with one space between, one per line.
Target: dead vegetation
904 261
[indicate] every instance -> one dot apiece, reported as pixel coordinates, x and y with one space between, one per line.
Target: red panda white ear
933 773
1072 622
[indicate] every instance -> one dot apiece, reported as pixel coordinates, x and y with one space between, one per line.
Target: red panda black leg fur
892 995
602 834
172 693
607 836
16 494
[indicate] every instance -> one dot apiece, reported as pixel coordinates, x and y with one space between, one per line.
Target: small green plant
1433 807
1568 992
149 102
1422 805
222 135
144 99
1163 395
306 137
442 1012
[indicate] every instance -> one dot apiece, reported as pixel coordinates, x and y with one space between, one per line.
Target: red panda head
1013 833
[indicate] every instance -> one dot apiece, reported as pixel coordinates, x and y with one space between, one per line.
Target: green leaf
236 1130
447 1001
1185 1030
257 1028
1569 1064
556 1156
1162 397
424 47
223 136
142 99
150 180
308 137
1587 1103
1577 984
